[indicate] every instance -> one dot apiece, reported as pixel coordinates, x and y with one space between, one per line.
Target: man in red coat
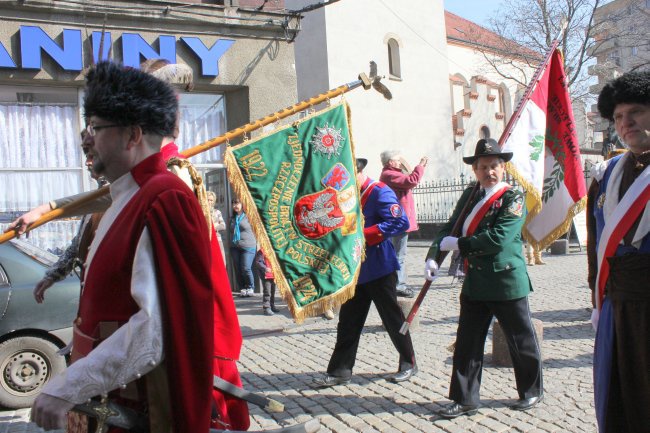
397 175
228 411
144 332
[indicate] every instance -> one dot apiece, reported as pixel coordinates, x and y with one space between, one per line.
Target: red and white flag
546 157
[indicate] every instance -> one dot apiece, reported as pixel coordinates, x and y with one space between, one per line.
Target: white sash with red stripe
481 208
619 217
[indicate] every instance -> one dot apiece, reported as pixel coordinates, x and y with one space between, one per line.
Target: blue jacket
384 217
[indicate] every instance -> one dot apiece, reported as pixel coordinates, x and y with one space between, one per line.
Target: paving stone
282 364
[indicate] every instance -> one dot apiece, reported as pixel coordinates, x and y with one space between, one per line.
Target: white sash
614 214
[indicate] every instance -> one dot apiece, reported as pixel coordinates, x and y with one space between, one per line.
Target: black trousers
628 403
473 326
352 317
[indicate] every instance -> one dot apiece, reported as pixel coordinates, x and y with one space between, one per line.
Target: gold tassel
198 186
559 230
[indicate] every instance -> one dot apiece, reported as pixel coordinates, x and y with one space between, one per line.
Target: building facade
242 61
620 44
483 99
407 42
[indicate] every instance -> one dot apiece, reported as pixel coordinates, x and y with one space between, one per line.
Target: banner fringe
557 231
238 184
532 195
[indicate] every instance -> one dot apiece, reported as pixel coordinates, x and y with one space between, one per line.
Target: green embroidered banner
298 187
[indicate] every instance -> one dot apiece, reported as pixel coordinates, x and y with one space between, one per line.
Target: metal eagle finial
376 81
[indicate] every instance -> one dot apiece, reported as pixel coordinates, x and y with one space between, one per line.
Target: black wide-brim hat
487 147
361 163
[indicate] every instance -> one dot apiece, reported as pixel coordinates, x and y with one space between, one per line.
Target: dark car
31 334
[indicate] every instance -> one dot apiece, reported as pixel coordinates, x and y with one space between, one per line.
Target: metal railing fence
435 199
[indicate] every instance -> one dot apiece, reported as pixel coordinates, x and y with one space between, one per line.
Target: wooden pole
66 210
440 257
529 90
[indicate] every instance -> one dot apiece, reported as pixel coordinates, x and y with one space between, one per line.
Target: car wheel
26 364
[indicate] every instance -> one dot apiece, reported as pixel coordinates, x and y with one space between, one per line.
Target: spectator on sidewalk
217 220
401 179
242 248
265 272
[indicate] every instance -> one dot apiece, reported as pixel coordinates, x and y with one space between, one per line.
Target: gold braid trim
559 230
533 198
176 164
239 186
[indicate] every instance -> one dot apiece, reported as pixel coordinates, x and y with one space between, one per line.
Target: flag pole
272 118
440 257
531 87
69 208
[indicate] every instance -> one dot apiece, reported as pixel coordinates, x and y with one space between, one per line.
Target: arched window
394 67
484 132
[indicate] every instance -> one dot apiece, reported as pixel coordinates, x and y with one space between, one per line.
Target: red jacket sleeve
398 180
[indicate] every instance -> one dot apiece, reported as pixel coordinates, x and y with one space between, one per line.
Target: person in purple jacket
384 218
401 179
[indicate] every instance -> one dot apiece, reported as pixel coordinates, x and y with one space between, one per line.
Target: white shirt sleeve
131 351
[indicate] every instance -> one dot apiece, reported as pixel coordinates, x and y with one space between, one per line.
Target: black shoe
527 403
404 375
275 309
455 410
405 293
268 312
327 380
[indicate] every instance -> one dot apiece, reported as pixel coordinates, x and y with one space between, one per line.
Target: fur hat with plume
176 74
127 96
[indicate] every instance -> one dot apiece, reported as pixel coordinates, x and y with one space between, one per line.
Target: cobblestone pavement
282 365
280 359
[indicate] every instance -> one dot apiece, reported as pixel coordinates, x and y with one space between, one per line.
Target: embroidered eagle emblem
319 215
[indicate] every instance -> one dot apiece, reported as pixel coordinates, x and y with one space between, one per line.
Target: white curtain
40 159
39 136
200 123
54 236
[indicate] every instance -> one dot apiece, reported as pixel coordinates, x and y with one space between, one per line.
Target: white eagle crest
319 214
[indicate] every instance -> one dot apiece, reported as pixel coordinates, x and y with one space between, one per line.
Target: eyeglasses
94 129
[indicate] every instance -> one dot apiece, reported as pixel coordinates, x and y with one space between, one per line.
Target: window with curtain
203 117
40 157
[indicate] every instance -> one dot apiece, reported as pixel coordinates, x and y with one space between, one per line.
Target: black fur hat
630 88
127 96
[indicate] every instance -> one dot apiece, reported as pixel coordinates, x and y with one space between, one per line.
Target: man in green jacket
496 284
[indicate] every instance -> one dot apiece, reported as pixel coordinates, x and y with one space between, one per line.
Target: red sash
483 210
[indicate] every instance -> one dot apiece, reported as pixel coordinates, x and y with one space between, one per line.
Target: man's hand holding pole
448 243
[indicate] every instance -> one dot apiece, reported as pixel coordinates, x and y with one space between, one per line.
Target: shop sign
69 55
